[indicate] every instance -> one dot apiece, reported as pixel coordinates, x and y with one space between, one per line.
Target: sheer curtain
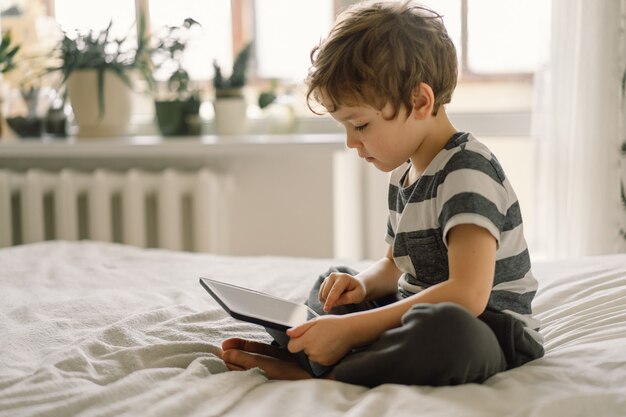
577 128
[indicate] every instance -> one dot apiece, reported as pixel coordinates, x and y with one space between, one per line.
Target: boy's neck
440 132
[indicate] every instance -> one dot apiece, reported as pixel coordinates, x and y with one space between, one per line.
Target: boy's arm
381 278
471 258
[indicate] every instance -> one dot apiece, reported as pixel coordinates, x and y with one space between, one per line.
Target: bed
101 329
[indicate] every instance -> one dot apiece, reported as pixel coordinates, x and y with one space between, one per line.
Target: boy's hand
339 289
325 340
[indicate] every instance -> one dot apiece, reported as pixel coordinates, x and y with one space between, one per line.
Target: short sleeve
473 192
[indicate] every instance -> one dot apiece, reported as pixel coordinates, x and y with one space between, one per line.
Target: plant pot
26 127
82 89
178 117
24 112
230 115
56 123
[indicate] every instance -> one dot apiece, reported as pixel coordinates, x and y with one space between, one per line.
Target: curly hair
377 53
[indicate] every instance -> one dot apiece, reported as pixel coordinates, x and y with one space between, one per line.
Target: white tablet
256 307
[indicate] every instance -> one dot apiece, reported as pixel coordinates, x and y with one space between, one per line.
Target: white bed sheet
95 329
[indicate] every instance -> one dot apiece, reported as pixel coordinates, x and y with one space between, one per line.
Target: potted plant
278 110
29 96
7 63
93 61
177 102
230 105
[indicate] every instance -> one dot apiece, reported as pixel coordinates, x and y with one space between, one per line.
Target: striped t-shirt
463 184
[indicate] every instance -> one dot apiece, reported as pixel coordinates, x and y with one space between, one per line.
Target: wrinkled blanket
95 329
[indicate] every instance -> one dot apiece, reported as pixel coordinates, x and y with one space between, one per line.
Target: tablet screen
250 305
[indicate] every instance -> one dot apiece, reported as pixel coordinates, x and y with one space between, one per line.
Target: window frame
466 74
243 29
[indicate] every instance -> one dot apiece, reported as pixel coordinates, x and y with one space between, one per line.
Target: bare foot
276 363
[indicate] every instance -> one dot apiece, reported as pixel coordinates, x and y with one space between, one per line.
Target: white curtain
577 123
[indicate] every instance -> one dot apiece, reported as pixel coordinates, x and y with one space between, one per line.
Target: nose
352 141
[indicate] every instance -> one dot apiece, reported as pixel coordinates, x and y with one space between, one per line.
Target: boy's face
385 143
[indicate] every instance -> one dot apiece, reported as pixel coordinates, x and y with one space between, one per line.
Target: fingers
300 330
324 288
334 296
332 288
296 344
329 283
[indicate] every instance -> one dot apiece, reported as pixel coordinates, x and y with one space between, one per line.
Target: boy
450 301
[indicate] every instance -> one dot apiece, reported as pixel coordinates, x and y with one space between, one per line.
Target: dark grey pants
437 344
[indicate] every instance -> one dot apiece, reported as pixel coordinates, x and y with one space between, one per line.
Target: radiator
169 209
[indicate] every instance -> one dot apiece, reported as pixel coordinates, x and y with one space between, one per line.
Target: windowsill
509 123
155 152
488 110
308 131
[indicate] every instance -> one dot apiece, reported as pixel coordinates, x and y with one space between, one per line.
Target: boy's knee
448 327
434 316
466 349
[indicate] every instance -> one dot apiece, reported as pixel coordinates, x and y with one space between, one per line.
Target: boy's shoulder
466 142
464 151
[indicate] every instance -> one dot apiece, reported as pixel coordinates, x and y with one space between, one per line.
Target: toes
232 367
273 368
240 359
255 347
267 350
233 343
232 357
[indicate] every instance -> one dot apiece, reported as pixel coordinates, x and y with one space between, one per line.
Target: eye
361 127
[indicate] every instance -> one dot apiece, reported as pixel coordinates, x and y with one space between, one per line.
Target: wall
277 197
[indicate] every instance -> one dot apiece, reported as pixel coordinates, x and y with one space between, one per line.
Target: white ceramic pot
82 89
230 115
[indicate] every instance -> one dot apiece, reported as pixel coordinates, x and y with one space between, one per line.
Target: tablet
256 307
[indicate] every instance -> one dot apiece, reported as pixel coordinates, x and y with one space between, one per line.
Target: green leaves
168 53
268 96
97 50
238 77
7 53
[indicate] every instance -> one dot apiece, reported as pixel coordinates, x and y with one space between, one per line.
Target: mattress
101 329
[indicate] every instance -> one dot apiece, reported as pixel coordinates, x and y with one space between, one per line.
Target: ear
423 100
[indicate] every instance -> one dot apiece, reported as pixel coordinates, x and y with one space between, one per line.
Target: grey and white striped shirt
463 184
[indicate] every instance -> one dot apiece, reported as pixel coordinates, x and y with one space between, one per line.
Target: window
282 43
494 38
213 40
519 46
95 15
283 49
